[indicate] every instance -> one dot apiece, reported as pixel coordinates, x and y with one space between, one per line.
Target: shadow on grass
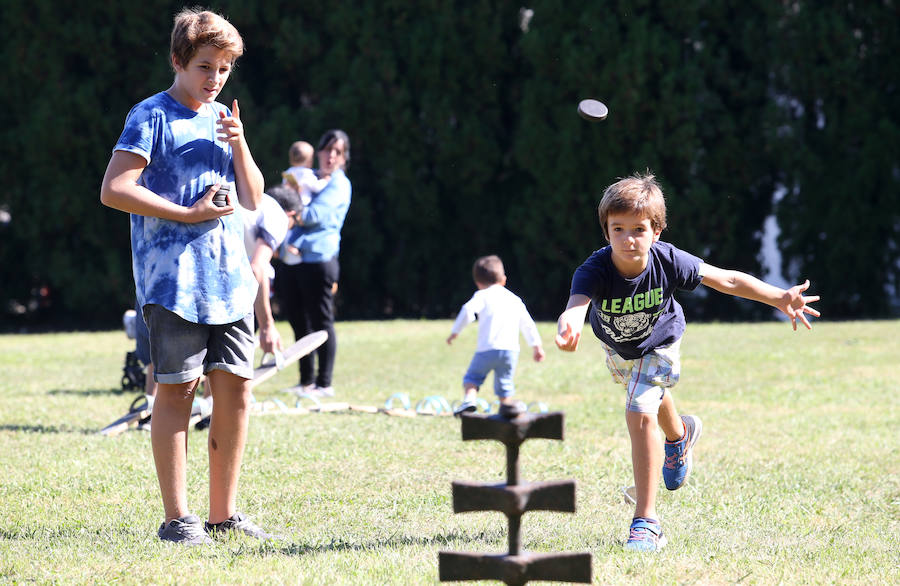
23 428
395 541
93 392
249 547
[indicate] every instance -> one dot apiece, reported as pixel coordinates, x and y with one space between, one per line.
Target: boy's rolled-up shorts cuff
183 377
231 368
647 400
179 377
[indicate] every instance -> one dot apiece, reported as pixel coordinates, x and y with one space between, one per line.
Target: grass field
796 479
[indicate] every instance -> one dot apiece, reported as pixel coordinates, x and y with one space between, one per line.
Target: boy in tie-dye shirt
192 277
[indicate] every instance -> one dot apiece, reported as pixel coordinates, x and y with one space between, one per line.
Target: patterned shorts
646 378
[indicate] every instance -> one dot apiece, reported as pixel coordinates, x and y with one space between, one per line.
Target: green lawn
796 479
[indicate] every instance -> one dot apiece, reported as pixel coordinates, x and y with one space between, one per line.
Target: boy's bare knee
641 421
181 392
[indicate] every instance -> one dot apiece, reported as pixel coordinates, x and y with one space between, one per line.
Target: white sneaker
300 389
322 391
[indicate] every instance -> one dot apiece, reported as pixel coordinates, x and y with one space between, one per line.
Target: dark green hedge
466 142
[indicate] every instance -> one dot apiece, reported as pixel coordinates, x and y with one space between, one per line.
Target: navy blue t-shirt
634 316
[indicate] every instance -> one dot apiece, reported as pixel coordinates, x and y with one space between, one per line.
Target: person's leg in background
318 302
290 292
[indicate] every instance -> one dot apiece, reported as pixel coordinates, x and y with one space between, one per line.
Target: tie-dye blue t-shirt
198 271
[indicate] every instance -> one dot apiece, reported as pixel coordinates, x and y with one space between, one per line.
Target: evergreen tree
837 86
465 140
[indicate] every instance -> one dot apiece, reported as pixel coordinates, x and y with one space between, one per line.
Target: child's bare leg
227 437
646 460
168 436
669 420
470 396
470 392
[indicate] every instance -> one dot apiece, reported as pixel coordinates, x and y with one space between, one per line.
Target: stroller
133 374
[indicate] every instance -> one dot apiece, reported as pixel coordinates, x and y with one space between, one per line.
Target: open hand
566 337
794 305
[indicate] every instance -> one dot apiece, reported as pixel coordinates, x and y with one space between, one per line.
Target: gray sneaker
237 523
187 530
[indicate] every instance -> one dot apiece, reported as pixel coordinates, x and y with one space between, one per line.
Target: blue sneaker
645 535
679 455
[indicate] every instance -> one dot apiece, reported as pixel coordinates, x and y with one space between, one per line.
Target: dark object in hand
220 198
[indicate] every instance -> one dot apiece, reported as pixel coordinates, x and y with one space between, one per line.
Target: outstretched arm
791 301
571 322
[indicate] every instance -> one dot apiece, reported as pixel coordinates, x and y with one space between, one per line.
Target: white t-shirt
309 183
267 222
501 316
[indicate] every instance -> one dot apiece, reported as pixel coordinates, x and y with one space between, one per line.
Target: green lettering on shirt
640 302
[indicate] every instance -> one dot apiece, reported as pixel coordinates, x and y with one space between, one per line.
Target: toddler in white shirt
501 315
300 174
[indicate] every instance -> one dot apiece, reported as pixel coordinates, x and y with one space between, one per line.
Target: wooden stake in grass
514 499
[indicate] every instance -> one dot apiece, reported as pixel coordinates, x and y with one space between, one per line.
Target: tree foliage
465 140
837 88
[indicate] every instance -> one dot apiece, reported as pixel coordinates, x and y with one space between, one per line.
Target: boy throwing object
629 287
501 315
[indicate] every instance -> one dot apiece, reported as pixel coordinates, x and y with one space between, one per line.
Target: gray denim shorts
181 350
